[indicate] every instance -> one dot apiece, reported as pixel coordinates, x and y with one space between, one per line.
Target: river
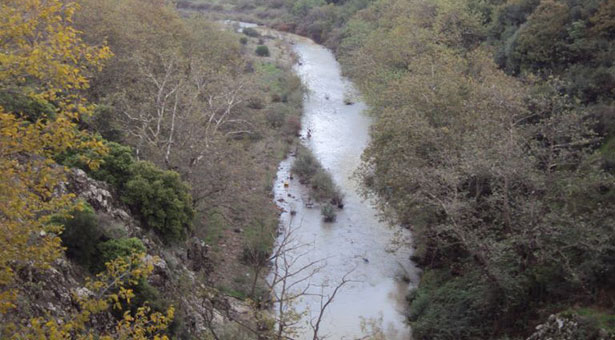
374 253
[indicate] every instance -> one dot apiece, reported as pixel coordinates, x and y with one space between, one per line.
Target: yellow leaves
43 58
109 289
39 45
145 324
7 298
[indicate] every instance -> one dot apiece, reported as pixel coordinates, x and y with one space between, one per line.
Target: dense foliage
123 247
46 75
495 160
160 198
44 70
572 39
262 51
494 142
81 235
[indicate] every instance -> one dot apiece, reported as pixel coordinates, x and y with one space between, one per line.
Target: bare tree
292 279
325 301
187 105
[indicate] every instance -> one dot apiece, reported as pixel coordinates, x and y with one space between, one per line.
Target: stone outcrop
567 327
178 274
98 194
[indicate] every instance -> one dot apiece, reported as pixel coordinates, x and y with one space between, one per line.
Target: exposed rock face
98 194
51 289
178 272
161 273
566 327
197 254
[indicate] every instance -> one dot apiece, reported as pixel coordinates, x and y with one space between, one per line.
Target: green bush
161 199
276 115
105 122
275 119
305 165
115 168
81 235
324 189
28 107
328 212
122 247
448 307
257 245
310 172
301 8
250 32
148 294
256 103
262 51
243 40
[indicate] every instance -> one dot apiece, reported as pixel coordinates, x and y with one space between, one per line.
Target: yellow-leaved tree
44 62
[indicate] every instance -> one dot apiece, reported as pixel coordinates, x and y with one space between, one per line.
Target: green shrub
28 107
256 103
161 199
328 212
608 154
145 293
595 319
78 158
323 187
311 173
243 40
105 122
276 115
250 32
258 244
262 51
301 8
305 165
81 235
112 249
214 227
452 307
115 168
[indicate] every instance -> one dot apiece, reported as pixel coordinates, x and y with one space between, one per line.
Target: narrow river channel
375 254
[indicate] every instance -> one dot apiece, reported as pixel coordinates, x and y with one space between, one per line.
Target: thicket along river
374 255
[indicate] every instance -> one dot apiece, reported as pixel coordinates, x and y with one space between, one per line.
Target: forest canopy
494 142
